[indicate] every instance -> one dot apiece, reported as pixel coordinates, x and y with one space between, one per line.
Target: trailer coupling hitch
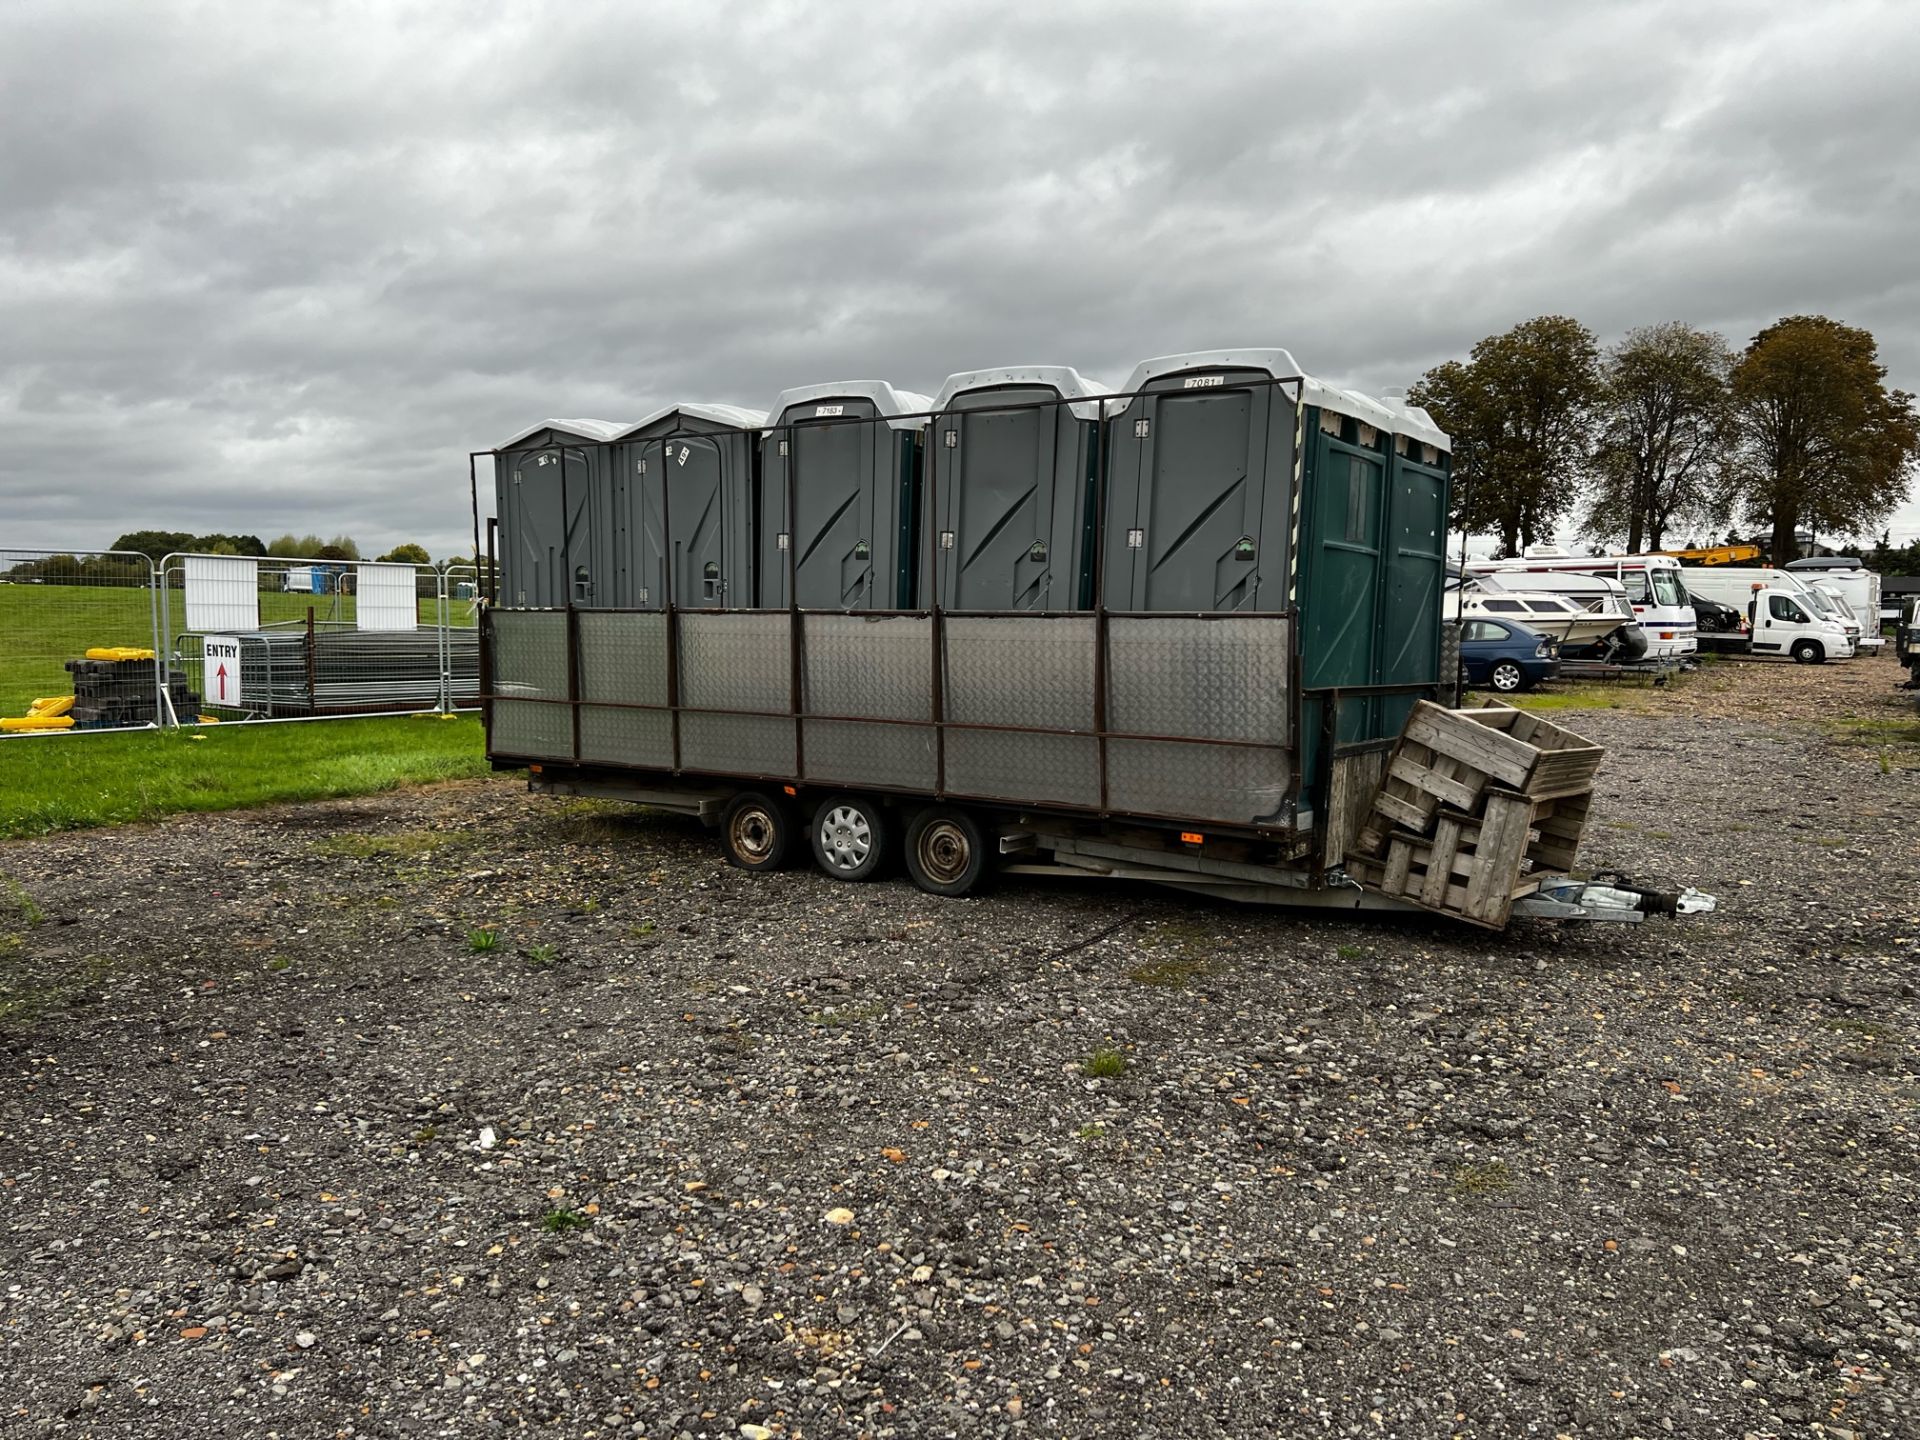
1611 898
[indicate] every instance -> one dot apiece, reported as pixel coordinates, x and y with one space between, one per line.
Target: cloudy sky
280 267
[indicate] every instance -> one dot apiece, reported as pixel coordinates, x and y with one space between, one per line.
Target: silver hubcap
753 834
944 852
846 837
1505 677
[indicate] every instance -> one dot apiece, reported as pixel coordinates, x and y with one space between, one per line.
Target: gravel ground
693 1153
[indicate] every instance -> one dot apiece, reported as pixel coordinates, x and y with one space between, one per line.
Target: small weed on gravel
541 957
1093 1132
559 1222
279 963
1169 974
16 895
1104 1064
481 941
1491 1178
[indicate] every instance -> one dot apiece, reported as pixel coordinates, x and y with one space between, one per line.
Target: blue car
1506 656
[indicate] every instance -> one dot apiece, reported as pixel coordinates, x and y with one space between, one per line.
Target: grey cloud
268 268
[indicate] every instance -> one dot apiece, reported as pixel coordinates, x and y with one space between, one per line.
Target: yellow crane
1715 554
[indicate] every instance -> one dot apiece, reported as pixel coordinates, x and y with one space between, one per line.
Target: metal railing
107 640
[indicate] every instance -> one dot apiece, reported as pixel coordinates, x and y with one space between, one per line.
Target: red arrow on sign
221 674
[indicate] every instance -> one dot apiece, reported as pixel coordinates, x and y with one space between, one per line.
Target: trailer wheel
852 837
1808 652
946 851
759 832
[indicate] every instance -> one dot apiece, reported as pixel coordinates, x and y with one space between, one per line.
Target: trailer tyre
760 832
852 837
1808 652
946 852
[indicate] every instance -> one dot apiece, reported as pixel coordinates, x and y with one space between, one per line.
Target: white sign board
220 681
386 597
223 592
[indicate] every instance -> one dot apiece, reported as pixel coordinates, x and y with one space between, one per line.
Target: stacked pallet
111 693
1476 809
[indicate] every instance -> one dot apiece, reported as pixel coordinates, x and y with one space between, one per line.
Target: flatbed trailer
1237 748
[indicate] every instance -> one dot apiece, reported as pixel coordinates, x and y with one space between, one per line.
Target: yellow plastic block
119 652
36 722
52 705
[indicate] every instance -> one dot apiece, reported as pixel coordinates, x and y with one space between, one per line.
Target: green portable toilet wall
1008 523
1199 484
683 508
553 495
1371 563
849 452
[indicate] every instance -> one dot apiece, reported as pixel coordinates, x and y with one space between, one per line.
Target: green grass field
44 626
66 782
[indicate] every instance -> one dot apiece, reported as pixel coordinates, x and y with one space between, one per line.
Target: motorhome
1784 616
1652 584
1736 585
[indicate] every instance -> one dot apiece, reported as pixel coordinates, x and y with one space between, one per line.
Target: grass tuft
481 941
1104 1064
559 1222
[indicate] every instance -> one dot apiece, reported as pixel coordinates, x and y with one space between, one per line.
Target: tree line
156 545
1671 433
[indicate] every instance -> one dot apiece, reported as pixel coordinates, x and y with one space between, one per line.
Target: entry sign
220 684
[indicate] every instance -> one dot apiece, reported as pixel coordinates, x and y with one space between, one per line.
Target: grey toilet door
1193 463
698 506
835 468
999 497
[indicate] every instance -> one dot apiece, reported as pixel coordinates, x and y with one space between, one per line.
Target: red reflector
1666 634
536 769
789 790
1192 837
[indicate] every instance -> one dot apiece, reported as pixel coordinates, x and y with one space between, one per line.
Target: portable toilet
1015 453
1199 484
847 457
1236 482
553 494
682 508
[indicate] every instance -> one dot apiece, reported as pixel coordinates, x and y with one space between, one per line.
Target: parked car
1506 655
1715 618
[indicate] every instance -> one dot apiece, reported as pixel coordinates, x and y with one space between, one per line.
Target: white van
1785 617
1857 587
1735 585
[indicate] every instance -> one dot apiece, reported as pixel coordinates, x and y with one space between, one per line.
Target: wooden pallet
1474 866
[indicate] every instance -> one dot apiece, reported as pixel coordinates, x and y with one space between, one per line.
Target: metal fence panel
55 606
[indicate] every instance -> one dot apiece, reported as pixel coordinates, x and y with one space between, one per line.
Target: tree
156 545
1520 411
295 547
344 544
408 554
331 551
1665 432
1823 442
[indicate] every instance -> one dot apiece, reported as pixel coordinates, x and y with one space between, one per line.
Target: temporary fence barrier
106 640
